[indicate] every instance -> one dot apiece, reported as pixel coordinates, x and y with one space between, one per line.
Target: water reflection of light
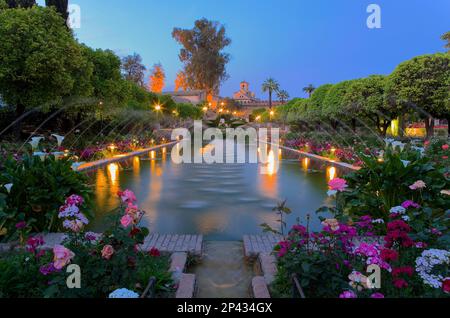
280 153
152 154
113 169
331 173
271 163
305 163
211 222
268 182
136 167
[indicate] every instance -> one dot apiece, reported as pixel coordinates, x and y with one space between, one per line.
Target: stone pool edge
345 167
103 162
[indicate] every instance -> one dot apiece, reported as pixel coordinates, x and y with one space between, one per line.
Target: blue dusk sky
297 42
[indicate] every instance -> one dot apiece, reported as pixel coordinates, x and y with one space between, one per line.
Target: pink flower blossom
107 252
377 295
62 256
348 294
410 204
126 220
337 184
445 147
418 185
127 196
21 225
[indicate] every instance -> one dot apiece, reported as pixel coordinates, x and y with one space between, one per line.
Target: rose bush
108 262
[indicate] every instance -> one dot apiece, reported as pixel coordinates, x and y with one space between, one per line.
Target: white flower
398 210
426 263
123 293
59 139
331 193
399 144
406 218
8 187
406 163
378 221
35 142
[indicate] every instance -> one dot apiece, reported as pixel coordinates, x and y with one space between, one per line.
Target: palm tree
309 89
270 85
282 95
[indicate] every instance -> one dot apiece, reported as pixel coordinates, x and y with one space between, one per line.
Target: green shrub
39 189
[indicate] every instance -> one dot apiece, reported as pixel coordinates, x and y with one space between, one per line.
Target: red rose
154 252
400 283
446 285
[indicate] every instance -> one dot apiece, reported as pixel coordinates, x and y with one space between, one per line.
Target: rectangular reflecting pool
220 201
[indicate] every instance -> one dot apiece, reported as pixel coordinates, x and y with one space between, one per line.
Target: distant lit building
245 96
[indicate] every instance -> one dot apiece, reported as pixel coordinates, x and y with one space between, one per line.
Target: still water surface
220 201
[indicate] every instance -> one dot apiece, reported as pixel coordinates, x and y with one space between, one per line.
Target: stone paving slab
256 244
186 287
191 244
268 265
259 287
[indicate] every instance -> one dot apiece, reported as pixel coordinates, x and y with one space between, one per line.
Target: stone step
259 287
191 244
256 244
186 286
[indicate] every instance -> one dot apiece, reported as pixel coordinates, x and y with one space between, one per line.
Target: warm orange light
305 163
331 172
112 147
113 169
158 107
152 154
258 117
221 110
333 150
272 113
205 109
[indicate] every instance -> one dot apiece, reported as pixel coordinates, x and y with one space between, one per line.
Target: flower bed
107 263
391 218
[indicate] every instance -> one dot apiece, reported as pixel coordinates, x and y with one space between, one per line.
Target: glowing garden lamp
205 109
112 147
221 110
158 107
258 118
271 113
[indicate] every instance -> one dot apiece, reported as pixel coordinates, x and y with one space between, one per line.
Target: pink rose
445 147
62 256
107 252
419 184
337 184
127 196
348 294
126 220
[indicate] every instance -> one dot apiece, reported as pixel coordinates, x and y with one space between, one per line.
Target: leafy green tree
3 5
421 85
315 105
13 4
446 37
271 86
133 69
40 62
333 105
365 99
282 95
309 89
61 7
106 74
202 54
